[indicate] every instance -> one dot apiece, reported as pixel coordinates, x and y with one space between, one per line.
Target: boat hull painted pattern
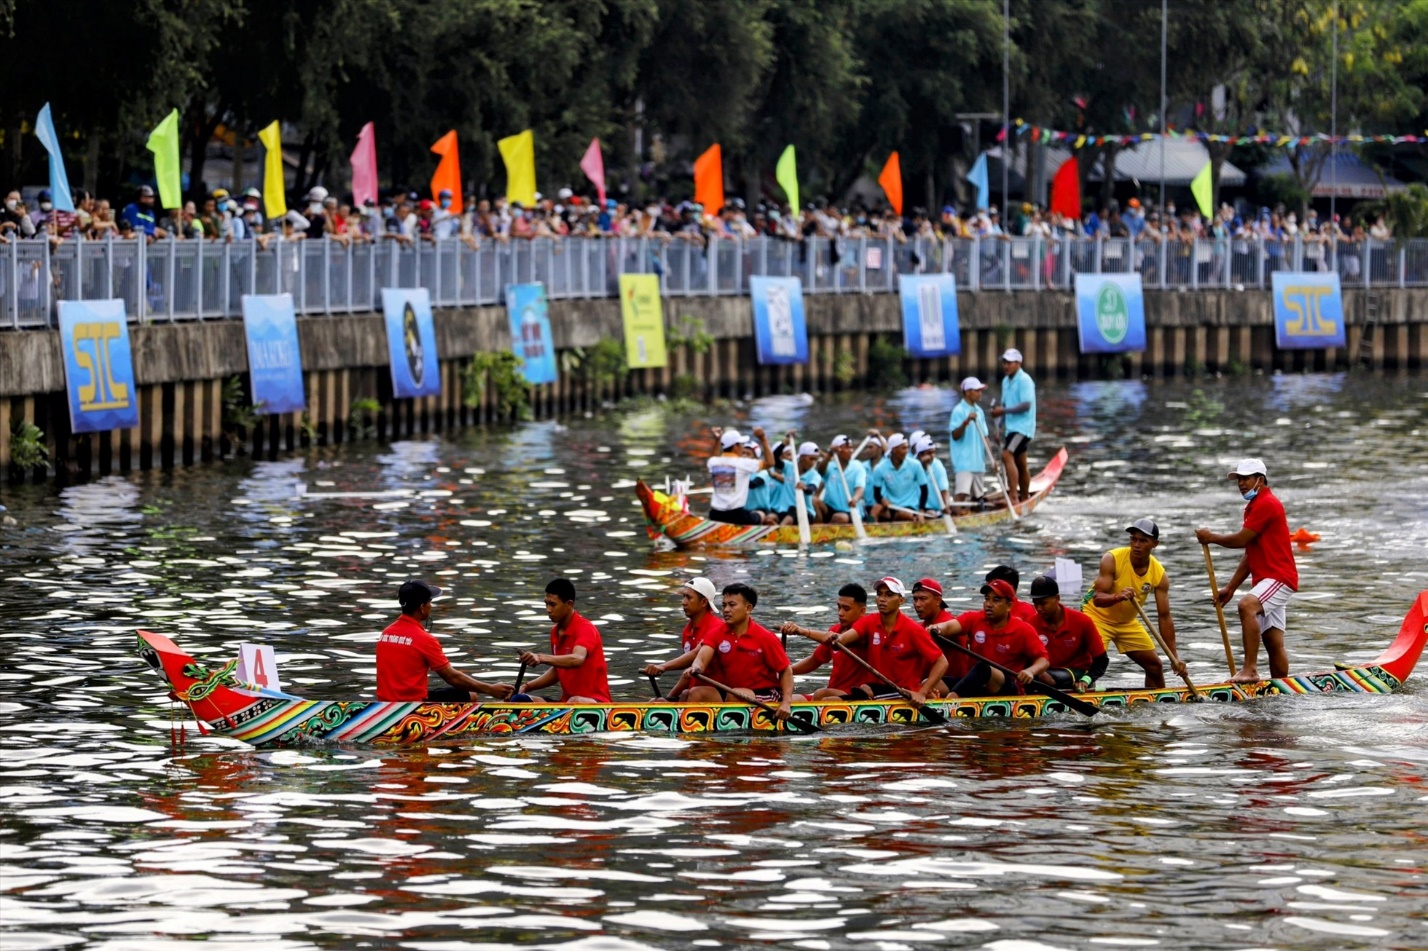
666 516
264 718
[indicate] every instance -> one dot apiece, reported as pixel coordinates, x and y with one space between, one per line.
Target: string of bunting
1077 140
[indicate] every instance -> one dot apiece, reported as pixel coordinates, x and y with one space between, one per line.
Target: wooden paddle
1080 706
1165 649
754 701
800 513
931 716
1000 469
859 531
1219 609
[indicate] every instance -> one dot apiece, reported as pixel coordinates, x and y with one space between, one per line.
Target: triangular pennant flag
275 200
786 173
447 176
1204 191
978 176
59 181
364 167
1066 190
164 143
709 179
593 165
891 180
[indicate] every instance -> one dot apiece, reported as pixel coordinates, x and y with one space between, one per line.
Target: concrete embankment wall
180 369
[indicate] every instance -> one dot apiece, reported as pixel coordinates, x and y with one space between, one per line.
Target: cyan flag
59 181
978 176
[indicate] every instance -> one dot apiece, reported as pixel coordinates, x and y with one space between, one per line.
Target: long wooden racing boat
669 516
267 718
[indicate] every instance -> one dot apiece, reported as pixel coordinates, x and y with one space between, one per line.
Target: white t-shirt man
730 476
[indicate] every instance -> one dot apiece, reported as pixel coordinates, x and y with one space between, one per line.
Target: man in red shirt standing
1074 646
577 657
745 656
846 674
1268 562
697 598
994 634
406 651
899 648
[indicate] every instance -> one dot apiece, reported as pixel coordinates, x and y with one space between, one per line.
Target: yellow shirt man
1129 577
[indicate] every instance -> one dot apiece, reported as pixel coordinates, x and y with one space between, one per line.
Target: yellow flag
1203 190
164 143
518 152
643 316
275 201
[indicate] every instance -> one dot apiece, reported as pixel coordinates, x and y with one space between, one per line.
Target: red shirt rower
994 634
577 657
847 674
1074 646
406 652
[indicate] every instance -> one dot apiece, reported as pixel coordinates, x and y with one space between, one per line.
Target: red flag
593 165
709 179
448 172
364 167
1066 190
891 180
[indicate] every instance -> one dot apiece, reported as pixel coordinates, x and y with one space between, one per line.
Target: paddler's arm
934 677
1236 579
1026 676
785 686
1240 539
702 655
1099 663
679 663
567 661
766 460
950 628
1106 595
456 678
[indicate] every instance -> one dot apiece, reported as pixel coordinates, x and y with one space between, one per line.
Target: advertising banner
274 358
1110 313
780 334
1308 311
530 331
643 315
98 366
929 315
411 339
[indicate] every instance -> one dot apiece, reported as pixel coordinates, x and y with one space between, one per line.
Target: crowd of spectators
407 218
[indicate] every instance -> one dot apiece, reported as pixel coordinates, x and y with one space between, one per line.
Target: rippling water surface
1291 823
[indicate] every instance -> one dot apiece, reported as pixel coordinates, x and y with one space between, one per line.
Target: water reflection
1290 824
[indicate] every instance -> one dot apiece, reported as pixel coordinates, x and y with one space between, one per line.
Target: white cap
753 446
1249 467
839 441
564 193
703 587
923 445
893 585
730 438
317 193
914 437
1013 355
972 383
895 440
808 449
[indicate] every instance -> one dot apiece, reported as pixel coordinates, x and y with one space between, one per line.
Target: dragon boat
668 516
263 717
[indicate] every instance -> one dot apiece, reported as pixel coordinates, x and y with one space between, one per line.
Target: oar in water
654 685
1165 649
800 513
859 531
928 714
754 701
1000 470
1219 609
1080 706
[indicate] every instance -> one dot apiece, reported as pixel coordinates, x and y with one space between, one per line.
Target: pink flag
364 166
593 165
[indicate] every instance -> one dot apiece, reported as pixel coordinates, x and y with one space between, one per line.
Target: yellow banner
643 315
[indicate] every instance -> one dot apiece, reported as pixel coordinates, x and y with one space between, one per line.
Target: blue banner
98 366
780 334
530 331
1110 313
411 338
274 358
929 315
1308 311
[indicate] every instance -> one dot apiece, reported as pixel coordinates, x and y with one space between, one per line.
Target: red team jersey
1014 646
906 655
753 660
1075 642
696 634
1023 610
405 652
846 673
1269 555
590 679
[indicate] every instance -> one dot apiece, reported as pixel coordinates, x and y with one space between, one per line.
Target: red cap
999 588
425 204
928 584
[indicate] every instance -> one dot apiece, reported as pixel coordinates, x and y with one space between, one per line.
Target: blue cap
44 195
611 204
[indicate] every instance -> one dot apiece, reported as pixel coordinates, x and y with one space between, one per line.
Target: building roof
1344 175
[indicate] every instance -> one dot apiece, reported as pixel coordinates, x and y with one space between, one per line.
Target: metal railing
196 280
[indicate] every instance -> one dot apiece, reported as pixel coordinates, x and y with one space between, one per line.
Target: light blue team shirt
901 485
811 481
968 453
1016 390
759 494
936 480
780 494
833 495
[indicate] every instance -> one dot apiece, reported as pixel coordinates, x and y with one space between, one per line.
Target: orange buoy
1303 537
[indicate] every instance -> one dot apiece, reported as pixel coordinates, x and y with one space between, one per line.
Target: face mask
46 206
11 204
1249 496
446 203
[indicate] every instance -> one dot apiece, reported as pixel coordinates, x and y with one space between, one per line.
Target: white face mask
11 204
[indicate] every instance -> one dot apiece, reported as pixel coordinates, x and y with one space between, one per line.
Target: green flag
164 143
787 174
1203 190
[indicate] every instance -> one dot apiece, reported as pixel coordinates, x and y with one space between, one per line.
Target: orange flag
709 179
891 180
448 171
